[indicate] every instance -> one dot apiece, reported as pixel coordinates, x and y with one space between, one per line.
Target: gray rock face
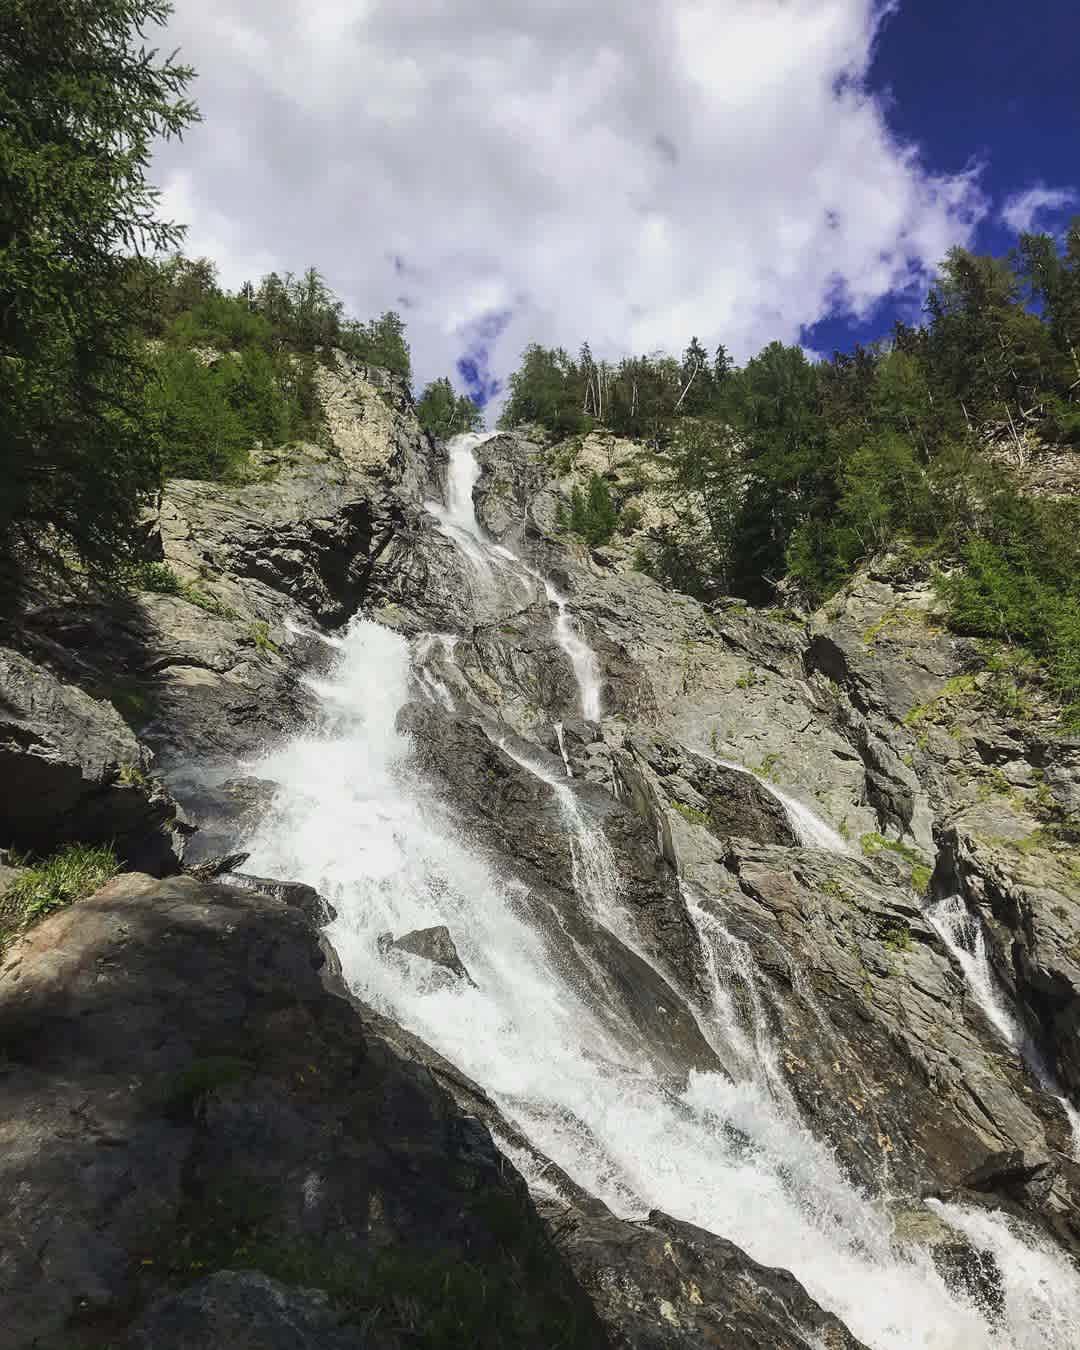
72 771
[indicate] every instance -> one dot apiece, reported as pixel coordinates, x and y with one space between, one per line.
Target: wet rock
1017 1172
1028 900
315 908
881 1047
969 1271
212 867
662 1284
521 815
434 945
225 813
526 816
724 800
71 770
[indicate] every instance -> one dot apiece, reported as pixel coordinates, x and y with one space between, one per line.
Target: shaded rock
226 813
1017 1172
71 770
185 1080
246 1311
434 945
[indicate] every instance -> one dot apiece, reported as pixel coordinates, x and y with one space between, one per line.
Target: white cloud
1023 209
631 173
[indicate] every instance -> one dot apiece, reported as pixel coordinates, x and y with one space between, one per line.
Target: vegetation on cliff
790 471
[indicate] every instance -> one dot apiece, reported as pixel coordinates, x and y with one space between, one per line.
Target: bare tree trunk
689 382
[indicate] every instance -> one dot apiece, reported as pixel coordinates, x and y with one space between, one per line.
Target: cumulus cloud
1023 210
551 171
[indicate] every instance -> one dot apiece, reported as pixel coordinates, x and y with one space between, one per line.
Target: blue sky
630 173
982 82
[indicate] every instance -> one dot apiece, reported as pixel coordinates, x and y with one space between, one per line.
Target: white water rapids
355 819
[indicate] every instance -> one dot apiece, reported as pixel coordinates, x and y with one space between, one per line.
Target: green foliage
69 875
921 876
593 514
162 580
784 470
874 843
81 102
444 413
260 636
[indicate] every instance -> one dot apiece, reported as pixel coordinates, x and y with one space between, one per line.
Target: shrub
593 514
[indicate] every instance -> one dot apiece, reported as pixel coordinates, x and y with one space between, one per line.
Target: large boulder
188 1090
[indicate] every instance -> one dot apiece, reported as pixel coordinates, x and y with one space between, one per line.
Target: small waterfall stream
355 819
964 935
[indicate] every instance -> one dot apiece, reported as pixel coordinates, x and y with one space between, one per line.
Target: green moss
691 813
516 1294
875 630
897 938
130 775
132 704
69 875
183 1091
874 843
767 768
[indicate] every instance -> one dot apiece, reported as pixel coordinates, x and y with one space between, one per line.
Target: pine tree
81 103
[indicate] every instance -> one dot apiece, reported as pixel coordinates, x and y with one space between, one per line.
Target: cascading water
963 934
458 519
809 829
355 819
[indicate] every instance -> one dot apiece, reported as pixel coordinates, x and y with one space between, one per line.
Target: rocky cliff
590 967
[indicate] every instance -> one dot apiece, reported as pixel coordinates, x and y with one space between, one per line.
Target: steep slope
688 868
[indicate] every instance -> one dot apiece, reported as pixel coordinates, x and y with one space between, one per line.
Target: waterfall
809 829
964 936
457 517
355 819
582 657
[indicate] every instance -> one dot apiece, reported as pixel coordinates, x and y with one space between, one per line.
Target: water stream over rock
356 818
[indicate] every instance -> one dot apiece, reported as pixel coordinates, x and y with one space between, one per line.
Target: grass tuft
70 875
